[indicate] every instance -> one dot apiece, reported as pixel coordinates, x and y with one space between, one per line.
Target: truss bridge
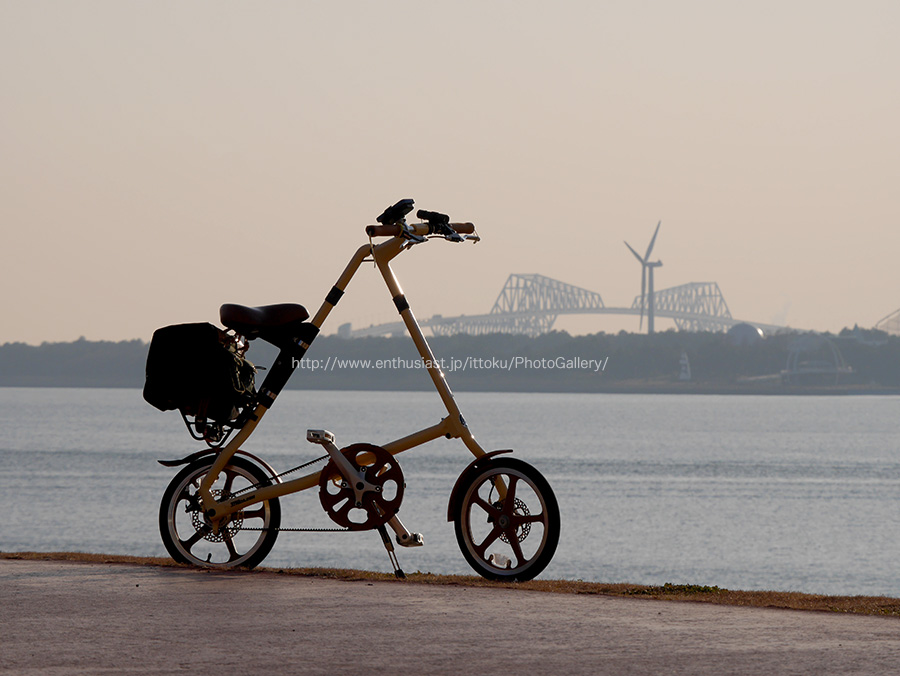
698 306
527 304
530 304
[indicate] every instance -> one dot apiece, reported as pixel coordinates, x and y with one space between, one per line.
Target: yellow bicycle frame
452 427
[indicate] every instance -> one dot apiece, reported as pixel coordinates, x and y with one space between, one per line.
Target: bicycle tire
185 532
522 541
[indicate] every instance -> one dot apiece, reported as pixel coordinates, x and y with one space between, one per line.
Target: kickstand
389 546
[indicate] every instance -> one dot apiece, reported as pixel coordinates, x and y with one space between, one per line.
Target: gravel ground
63 617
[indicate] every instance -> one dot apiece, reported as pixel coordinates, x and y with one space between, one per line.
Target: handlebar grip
391 230
463 228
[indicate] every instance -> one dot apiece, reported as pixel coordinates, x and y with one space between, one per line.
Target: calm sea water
787 493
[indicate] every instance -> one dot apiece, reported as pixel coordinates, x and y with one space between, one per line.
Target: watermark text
454 364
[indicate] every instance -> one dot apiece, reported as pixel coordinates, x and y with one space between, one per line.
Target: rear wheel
244 540
509 538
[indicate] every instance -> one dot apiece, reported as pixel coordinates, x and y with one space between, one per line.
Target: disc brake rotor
200 522
523 530
375 507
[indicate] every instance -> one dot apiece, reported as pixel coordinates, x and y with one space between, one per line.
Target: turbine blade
652 241
636 254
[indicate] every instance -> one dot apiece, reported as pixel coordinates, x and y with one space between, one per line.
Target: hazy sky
160 158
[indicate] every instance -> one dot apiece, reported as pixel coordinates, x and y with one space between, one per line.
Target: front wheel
246 538
511 537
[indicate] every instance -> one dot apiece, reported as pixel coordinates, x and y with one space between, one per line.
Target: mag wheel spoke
188 544
258 513
517 549
487 542
484 504
232 552
230 476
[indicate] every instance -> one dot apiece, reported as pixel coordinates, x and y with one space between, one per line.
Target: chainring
375 507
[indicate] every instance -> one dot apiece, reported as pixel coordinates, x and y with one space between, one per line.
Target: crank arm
356 479
404 537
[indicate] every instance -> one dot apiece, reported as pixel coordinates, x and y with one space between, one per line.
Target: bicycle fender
475 465
200 455
187 459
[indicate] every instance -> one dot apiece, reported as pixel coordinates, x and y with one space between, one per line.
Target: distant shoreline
706 389
551 363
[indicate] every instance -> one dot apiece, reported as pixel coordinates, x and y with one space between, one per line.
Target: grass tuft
861 605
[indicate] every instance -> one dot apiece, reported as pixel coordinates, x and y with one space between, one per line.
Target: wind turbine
647 267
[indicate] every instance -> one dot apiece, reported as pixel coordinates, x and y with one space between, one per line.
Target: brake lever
450 234
439 224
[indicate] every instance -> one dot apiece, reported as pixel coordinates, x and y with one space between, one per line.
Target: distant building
684 363
813 359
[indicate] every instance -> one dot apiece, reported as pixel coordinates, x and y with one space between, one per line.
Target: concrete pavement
63 617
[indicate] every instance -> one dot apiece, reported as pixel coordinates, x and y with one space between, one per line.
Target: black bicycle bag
196 369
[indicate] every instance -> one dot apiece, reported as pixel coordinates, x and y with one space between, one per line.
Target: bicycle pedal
319 437
410 540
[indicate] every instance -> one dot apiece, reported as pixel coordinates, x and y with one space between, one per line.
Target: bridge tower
527 304
697 306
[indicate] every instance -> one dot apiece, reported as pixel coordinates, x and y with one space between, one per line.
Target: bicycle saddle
266 322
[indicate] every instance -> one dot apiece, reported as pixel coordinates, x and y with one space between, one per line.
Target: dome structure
745 335
813 359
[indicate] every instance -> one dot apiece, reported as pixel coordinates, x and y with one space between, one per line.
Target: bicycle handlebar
392 224
391 230
421 229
